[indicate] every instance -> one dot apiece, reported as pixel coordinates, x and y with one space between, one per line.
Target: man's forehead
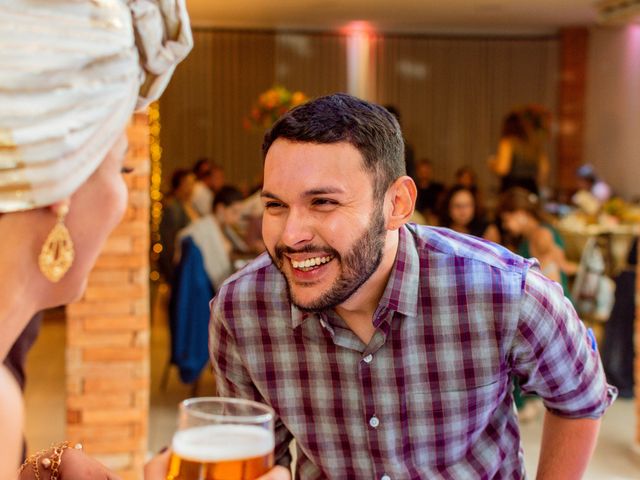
305 170
305 156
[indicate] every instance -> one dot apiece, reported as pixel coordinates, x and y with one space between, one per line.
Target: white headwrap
71 74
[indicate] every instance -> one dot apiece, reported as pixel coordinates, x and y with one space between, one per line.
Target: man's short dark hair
370 128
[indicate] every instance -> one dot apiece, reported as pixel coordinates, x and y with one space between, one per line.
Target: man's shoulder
252 298
446 245
259 280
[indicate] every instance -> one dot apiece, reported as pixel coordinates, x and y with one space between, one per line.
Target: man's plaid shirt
430 396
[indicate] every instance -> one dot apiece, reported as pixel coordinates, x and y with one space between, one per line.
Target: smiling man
386 349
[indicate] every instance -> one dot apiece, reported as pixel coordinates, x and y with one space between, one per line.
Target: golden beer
221 452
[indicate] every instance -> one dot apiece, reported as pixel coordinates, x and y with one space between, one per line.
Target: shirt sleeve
233 380
555 356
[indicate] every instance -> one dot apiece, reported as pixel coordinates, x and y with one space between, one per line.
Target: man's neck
358 310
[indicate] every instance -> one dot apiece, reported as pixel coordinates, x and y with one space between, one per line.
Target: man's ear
402 195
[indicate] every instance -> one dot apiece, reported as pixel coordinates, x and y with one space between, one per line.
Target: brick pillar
108 333
571 104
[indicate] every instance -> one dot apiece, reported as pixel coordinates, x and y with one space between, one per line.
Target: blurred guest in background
466 177
592 191
521 160
522 216
177 213
459 213
429 191
202 196
228 211
217 179
618 353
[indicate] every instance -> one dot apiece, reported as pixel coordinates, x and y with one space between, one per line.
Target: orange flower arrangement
271 105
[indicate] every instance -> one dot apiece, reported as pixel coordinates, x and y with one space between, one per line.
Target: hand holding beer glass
222 439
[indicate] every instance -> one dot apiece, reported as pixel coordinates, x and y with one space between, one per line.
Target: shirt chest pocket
444 424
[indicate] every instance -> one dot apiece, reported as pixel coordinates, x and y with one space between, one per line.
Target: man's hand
157 467
277 473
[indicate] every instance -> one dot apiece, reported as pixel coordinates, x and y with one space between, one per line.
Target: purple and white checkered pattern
430 396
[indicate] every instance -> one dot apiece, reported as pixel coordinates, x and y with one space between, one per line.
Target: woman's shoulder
11 419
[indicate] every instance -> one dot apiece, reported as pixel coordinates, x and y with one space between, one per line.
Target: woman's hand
74 464
276 473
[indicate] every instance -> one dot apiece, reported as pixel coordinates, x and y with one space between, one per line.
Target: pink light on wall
632 44
631 66
358 27
360 61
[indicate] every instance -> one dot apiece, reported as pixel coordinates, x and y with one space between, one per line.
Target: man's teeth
310 262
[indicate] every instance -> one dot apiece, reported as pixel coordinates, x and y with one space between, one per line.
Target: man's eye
125 170
320 202
272 205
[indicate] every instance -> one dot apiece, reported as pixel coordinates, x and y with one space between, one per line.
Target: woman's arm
543 170
500 164
547 252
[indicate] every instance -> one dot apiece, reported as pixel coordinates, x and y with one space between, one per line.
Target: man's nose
297 228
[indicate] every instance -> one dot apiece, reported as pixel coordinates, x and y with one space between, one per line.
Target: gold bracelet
32 461
52 462
34 465
55 459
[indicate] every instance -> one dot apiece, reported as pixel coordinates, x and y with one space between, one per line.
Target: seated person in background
429 192
227 208
385 349
618 353
592 192
177 213
459 212
522 216
250 222
209 239
202 196
466 177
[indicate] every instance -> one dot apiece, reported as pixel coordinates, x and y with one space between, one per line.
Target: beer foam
215 443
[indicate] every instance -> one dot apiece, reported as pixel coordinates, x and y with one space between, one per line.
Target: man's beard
357 265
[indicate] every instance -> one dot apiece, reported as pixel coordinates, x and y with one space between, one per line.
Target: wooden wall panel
453 93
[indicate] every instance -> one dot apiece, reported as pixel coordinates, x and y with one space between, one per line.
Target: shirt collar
298 317
401 292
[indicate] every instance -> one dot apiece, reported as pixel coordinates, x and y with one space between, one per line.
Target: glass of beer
222 439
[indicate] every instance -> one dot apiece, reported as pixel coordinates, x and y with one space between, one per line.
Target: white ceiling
441 16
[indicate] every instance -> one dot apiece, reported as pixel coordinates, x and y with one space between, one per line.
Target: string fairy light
155 152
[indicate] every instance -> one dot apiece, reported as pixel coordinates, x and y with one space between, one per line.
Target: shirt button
368 358
374 422
385 477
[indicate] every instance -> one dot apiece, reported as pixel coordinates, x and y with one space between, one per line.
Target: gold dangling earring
57 252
